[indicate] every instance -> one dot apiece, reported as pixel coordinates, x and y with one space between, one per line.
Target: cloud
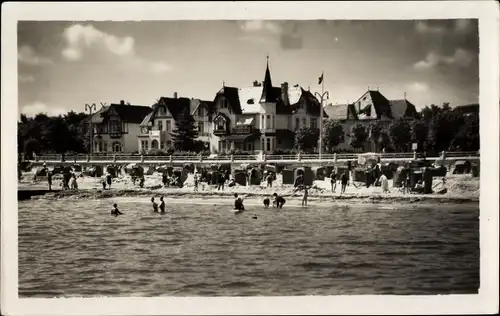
418 86
425 27
27 55
25 78
461 58
31 110
286 33
81 40
463 26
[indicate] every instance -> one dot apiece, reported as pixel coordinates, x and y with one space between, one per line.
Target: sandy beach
460 188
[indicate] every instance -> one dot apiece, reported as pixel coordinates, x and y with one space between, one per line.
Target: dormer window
161 111
250 101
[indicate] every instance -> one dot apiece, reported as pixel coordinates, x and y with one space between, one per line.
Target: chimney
284 92
175 95
256 83
122 102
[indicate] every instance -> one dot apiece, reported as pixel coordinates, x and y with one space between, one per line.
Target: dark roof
176 107
340 111
312 104
468 108
127 113
269 92
403 108
380 104
231 94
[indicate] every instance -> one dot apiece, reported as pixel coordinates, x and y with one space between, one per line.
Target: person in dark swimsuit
343 180
108 180
238 203
267 202
49 180
115 210
279 201
155 205
162 205
333 181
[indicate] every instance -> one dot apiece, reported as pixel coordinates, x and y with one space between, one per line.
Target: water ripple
80 250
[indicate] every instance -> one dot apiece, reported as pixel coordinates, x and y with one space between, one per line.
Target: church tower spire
267 86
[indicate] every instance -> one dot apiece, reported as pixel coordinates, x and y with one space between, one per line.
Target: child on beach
333 181
195 182
115 210
267 202
74 184
103 182
162 205
238 203
304 197
155 205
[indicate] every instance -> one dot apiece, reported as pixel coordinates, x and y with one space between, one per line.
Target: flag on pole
320 80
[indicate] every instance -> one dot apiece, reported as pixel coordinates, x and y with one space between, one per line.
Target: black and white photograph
231 157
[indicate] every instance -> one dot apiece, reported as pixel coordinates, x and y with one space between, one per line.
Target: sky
64 65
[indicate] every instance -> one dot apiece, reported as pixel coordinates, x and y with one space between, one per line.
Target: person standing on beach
164 179
155 205
196 182
49 180
304 197
108 180
74 184
220 182
270 180
162 205
343 180
333 181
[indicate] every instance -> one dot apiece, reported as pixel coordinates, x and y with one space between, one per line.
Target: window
304 122
160 125
169 143
161 111
154 144
272 121
169 127
144 145
268 120
117 147
262 146
162 145
223 103
314 123
201 127
201 111
115 127
262 121
268 144
297 123
105 146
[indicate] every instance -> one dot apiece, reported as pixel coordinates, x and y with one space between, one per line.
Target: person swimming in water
155 205
115 210
279 201
238 203
162 205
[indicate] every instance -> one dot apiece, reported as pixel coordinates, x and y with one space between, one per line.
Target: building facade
371 106
157 126
262 117
116 127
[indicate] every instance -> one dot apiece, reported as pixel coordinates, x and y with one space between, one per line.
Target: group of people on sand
68 182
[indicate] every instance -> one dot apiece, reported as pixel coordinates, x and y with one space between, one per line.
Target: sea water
75 248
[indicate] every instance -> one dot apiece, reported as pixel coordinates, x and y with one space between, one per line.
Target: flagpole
321 97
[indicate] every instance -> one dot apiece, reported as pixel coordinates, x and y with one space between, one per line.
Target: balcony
243 129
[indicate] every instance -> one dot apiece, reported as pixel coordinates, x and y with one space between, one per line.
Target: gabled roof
380 105
403 108
312 104
469 108
127 113
340 111
176 107
231 94
196 103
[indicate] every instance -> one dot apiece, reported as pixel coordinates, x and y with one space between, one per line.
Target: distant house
468 109
116 127
371 106
161 121
261 117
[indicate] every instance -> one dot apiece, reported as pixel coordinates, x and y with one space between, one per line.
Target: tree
419 133
400 134
333 134
358 136
467 137
31 146
306 138
374 131
185 133
384 140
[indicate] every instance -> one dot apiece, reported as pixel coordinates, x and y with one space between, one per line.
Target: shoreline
175 194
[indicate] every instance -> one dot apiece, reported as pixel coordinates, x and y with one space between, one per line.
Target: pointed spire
267 85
